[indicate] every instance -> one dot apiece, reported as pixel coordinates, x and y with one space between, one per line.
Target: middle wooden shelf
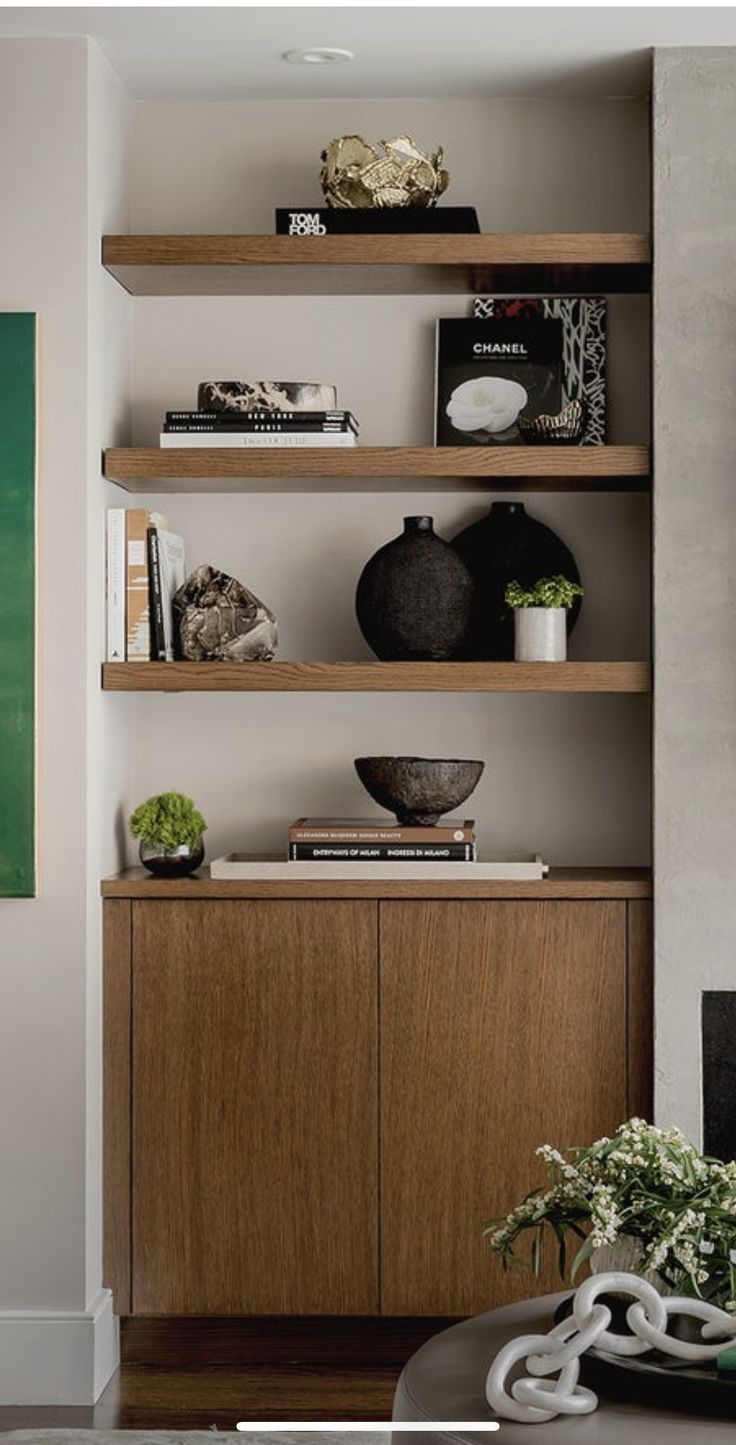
376 469
371 676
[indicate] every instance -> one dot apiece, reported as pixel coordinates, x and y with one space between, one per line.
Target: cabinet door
502 1028
254 1107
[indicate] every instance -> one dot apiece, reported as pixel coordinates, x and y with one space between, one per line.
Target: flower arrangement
555 591
645 1184
168 821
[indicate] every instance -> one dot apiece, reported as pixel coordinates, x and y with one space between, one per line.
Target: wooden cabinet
249 1168
503 1026
254 1169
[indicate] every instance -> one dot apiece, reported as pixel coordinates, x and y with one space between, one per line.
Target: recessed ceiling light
318 55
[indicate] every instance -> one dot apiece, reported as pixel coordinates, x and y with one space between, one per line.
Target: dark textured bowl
419 790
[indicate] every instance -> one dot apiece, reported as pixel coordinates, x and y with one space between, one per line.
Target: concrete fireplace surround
694 192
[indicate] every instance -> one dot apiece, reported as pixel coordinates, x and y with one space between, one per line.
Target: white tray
521 869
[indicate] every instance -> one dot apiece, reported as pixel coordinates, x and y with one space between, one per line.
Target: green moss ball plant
169 829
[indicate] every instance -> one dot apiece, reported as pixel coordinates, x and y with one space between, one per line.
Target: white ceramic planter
541 634
626 1255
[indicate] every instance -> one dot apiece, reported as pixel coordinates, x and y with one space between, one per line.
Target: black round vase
415 597
506 546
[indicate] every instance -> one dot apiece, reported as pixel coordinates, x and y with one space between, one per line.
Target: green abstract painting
17 603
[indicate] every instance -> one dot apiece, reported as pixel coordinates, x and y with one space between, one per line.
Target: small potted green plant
645 1201
169 829
540 614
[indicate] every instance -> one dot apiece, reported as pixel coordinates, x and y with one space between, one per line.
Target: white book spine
115 582
258 439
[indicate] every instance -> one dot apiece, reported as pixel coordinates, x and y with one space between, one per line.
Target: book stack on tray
259 428
371 849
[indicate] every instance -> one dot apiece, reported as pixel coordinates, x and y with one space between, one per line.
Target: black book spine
258 415
381 853
155 597
322 427
371 220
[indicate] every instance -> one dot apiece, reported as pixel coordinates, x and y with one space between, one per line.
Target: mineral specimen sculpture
266 396
217 619
394 172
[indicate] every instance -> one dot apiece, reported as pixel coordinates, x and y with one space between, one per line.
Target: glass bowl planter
171 862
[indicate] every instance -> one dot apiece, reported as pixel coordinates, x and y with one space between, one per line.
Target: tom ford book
377 221
491 372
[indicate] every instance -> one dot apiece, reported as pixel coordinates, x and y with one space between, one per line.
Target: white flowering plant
645 1183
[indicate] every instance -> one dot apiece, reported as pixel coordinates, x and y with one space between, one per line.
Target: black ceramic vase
415 597
507 546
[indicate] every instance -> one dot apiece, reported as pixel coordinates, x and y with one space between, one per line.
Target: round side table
445 1380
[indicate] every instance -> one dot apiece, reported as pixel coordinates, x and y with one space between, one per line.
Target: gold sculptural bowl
394 172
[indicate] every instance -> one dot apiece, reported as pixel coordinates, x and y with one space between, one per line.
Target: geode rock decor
506 546
419 790
217 619
415 597
356 174
266 396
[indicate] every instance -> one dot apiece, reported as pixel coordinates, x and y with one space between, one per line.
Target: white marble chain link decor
536 1398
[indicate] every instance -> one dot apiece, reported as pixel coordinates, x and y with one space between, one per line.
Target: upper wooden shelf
373 265
561 883
325 469
376 676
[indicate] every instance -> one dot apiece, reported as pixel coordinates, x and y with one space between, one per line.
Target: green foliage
647 1184
168 820
554 591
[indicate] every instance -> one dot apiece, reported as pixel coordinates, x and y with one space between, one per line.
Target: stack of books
145 566
259 428
367 840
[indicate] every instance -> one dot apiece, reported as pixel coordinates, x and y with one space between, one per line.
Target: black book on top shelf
377 221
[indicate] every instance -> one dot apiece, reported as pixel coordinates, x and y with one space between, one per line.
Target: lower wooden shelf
377 677
570 883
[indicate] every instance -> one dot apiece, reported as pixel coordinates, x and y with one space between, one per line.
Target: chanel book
491 372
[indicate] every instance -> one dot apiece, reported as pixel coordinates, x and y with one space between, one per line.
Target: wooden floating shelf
377 677
560 883
374 265
333 469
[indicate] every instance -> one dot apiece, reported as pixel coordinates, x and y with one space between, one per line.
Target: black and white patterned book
583 347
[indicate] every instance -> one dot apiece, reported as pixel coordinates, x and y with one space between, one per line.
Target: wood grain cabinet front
249 1168
254 1138
503 1026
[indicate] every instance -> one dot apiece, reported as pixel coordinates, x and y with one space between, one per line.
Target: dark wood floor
203 1374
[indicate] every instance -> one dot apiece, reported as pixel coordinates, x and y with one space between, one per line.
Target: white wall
108 752
57 1341
569 776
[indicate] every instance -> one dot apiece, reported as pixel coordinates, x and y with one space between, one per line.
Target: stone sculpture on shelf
394 172
217 619
240 396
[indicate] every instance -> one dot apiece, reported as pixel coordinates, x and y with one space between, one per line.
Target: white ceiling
234 53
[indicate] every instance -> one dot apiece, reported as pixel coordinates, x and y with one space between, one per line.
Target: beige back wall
566 775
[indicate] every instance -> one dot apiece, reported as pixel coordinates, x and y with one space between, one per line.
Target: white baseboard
58 1357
